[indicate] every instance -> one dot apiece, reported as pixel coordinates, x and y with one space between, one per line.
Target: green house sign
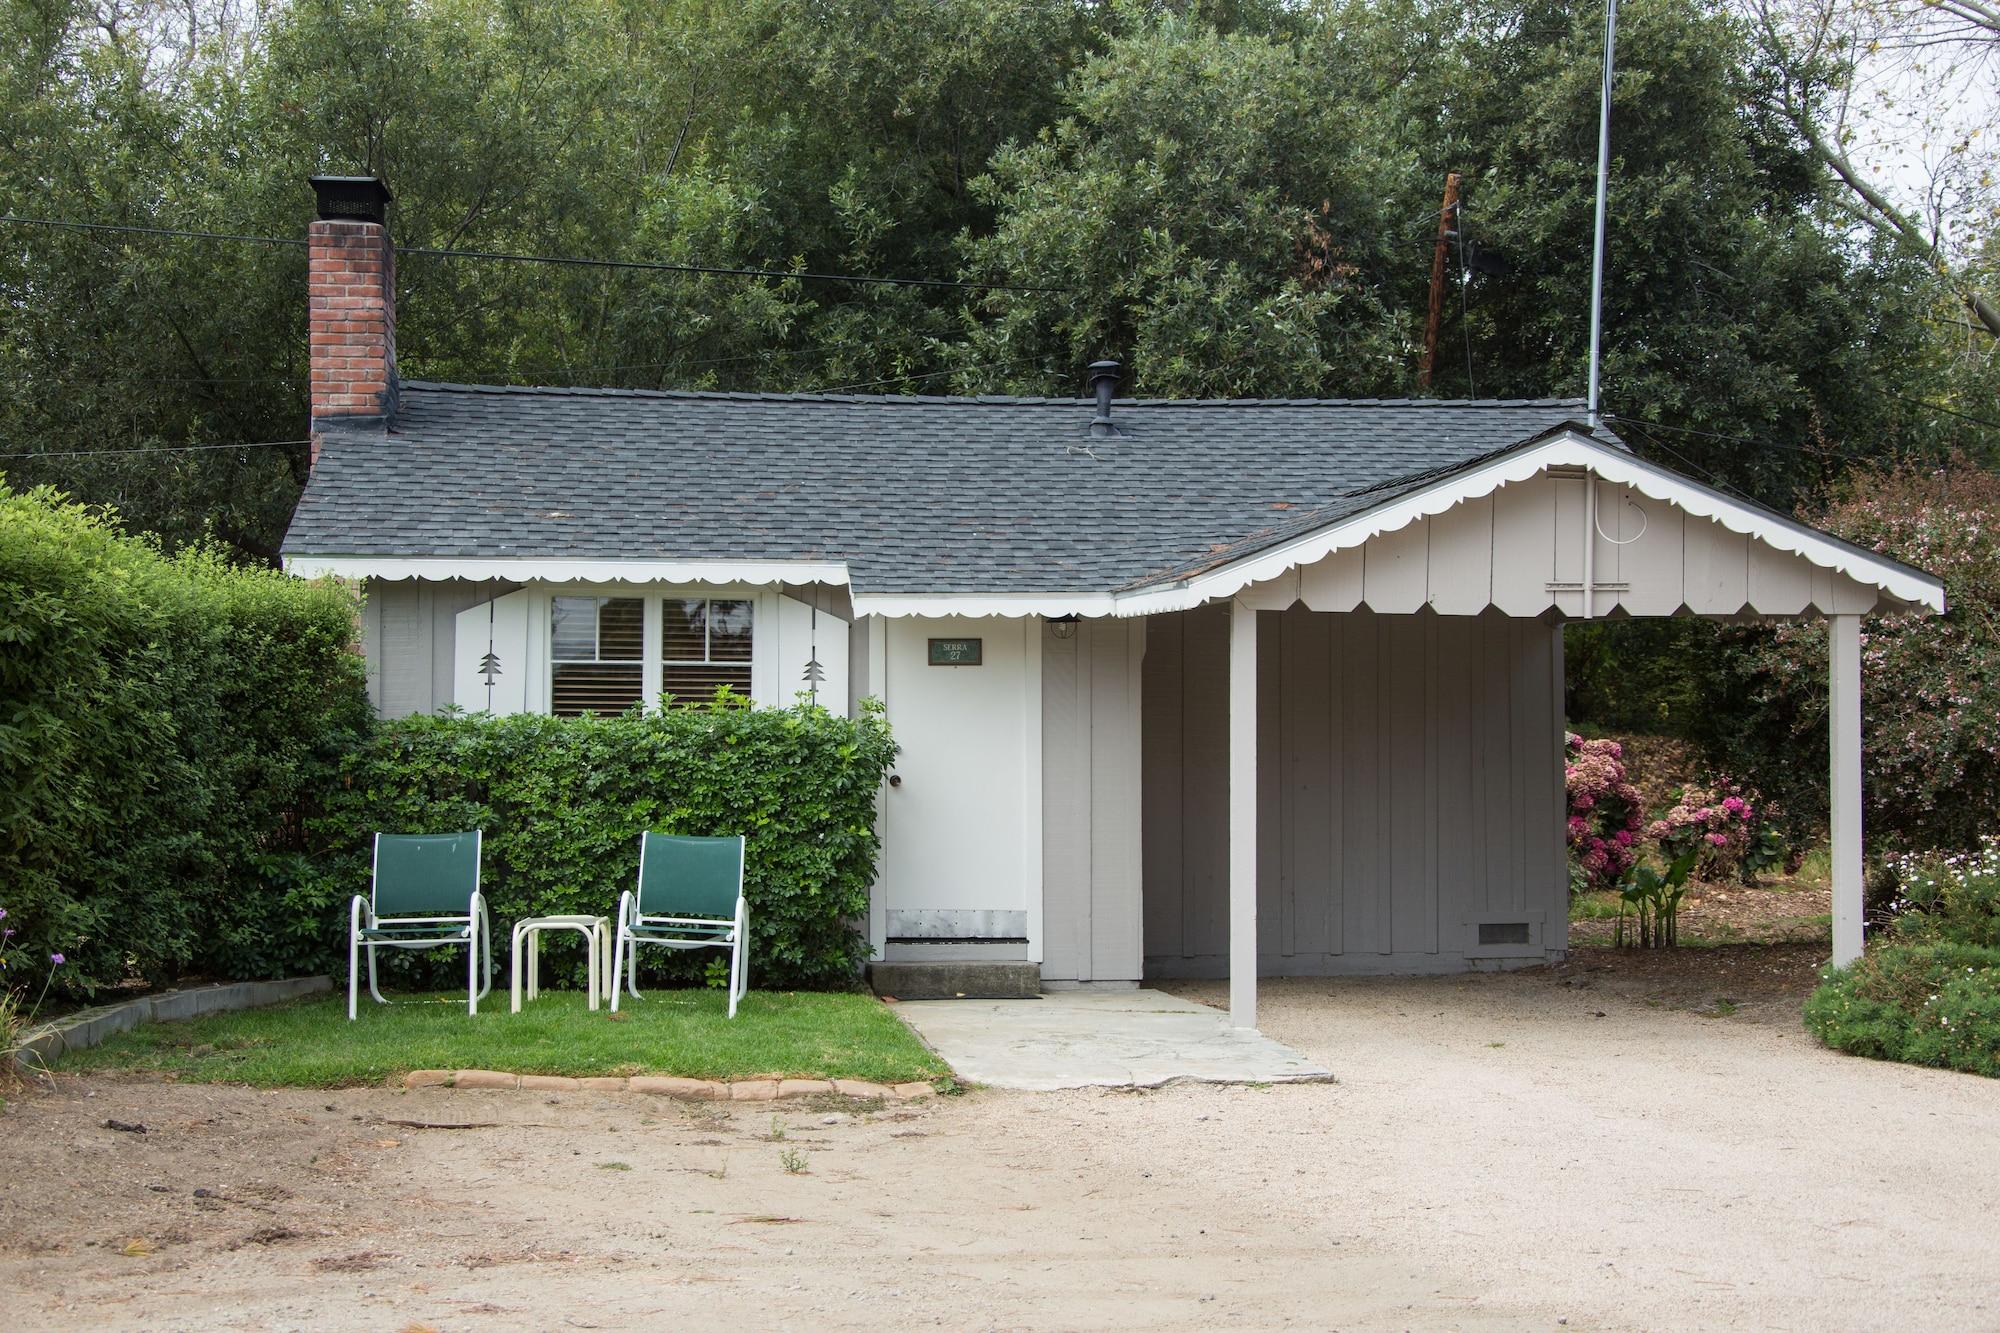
957 652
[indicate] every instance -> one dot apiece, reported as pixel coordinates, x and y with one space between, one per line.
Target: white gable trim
534 569
1568 449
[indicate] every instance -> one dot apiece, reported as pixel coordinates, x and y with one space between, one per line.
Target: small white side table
596 931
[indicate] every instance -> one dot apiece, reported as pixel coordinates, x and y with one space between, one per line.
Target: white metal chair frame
625 967
477 935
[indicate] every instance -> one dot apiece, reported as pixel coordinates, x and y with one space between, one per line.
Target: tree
1222 211
1747 339
1841 66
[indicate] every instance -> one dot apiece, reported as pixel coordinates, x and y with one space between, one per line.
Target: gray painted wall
1091 914
407 632
1410 789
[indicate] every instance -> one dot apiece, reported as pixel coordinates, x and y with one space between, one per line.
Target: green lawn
311 1044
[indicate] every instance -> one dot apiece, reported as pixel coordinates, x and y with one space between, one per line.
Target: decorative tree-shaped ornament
815 674
489 665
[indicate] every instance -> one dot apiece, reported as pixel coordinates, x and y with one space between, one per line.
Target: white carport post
1844 788
1242 815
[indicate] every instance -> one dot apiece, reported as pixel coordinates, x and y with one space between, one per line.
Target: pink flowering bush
1606 823
1718 822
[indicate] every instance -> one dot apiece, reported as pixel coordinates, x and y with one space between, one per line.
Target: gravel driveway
1496 1154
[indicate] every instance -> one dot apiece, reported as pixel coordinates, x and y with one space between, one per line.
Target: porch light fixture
1063 627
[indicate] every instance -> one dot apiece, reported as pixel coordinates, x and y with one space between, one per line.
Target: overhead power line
1813 450
575 261
152 449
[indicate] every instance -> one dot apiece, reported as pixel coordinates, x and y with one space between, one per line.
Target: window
597 653
704 643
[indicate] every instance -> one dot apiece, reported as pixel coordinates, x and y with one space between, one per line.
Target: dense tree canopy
1232 198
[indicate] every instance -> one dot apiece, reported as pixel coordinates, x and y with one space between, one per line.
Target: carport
1403 632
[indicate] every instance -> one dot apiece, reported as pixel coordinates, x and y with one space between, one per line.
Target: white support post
1844 790
1242 815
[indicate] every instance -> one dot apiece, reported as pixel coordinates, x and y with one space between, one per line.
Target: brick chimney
352 285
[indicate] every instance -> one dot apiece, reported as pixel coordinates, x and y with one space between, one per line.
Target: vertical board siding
1065 813
1091 803
1507 549
1361 812
1163 798
1116 902
1409 782
1270 782
1204 778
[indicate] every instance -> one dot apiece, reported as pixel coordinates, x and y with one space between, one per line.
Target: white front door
962 846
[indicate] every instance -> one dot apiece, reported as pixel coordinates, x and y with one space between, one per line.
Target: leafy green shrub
1921 1003
1930 994
163 721
1952 896
562 802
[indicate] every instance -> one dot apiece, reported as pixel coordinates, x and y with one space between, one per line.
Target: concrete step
957 981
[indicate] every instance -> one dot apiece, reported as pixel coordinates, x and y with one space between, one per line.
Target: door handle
895 779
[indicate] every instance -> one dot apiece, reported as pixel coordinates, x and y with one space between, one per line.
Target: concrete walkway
1115 1039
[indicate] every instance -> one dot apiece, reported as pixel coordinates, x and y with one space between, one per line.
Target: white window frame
597 657
763 656
707 637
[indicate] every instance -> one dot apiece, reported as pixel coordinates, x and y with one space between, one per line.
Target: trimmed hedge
562 802
163 721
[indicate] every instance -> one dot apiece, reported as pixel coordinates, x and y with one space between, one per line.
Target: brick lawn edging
688 1089
86 1028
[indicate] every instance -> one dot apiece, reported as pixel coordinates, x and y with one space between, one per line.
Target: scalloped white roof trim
538 569
1009 604
1566 450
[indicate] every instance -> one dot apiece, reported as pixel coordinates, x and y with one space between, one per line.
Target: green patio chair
690 896
423 894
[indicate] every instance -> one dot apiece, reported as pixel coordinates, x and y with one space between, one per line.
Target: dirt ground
1780 912
1580 1145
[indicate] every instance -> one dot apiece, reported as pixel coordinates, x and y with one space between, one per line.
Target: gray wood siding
1091 856
1521 549
1410 787
408 627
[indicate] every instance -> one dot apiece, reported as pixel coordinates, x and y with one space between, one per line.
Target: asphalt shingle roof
916 494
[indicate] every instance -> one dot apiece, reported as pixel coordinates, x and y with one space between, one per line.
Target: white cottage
1183 688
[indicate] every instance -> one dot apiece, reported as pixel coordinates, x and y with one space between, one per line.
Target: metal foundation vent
1503 932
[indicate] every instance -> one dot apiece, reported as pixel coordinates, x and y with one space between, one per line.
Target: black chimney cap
1104 370
352 198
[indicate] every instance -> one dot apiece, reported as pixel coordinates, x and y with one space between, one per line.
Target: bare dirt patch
1782 913
1501 1151
1765 983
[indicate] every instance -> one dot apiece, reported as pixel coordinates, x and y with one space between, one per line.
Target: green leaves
563 801
164 724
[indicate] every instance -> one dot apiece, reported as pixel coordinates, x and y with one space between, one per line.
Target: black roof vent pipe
1104 384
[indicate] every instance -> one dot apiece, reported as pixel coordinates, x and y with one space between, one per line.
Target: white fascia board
535 569
1565 450
1011 604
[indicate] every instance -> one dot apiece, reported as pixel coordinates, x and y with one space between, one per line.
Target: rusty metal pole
1447 223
